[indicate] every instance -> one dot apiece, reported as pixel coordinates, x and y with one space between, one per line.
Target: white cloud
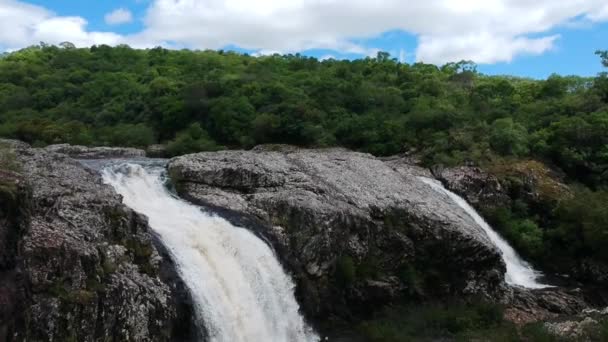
600 15
482 47
22 24
119 16
486 31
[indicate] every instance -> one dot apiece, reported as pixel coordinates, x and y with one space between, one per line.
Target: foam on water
240 291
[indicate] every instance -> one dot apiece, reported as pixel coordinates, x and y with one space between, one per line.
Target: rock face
481 189
355 232
83 152
77 265
528 180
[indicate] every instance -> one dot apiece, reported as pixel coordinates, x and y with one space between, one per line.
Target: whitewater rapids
519 272
239 289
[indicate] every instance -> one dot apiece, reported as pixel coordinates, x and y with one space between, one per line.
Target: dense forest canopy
205 100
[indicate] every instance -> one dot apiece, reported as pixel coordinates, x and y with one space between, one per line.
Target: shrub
194 139
437 321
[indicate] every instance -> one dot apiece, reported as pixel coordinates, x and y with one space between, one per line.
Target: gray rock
588 325
82 266
357 233
14 144
84 152
481 189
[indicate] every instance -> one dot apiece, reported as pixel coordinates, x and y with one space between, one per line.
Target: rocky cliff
76 264
357 233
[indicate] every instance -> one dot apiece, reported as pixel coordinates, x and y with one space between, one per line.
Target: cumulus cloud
481 47
600 15
486 31
119 16
23 24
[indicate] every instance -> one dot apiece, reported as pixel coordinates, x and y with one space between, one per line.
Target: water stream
519 272
240 291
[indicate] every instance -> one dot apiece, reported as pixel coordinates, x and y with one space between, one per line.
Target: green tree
508 137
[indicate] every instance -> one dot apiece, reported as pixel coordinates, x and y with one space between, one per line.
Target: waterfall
239 289
519 272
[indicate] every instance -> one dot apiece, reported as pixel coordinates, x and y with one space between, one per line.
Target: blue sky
500 35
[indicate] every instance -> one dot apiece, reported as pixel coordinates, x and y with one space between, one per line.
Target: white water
240 291
519 272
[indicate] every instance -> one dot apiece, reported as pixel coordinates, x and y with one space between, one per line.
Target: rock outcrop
84 152
76 264
525 306
527 180
356 232
481 189
588 325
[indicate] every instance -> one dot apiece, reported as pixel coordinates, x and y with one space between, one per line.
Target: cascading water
519 272
239 289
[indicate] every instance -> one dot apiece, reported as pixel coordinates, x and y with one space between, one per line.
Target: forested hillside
211 100
207 100
554 130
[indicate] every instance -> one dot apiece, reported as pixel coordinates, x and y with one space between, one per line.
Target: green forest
449 115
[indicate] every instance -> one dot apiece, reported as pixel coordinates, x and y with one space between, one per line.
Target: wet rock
84 152
356 232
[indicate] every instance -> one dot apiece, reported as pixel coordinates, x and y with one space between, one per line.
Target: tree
604 56
508 137
191 140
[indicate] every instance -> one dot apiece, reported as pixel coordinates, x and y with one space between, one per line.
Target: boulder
357 233
525 306
588 325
